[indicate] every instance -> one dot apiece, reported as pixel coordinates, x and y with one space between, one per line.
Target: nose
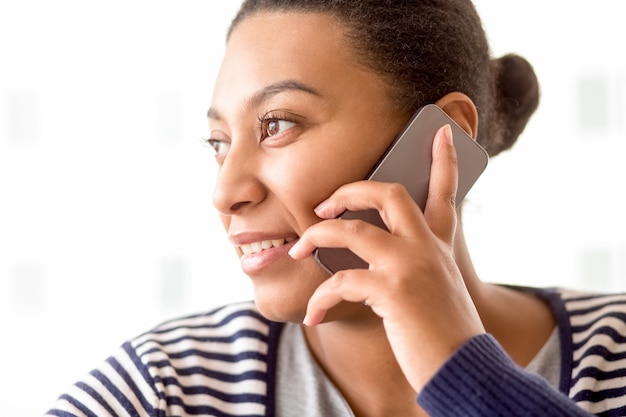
237 185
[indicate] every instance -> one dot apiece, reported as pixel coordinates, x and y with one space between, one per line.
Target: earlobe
461 108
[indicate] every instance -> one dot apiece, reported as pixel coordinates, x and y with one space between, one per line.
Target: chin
283 297
280 312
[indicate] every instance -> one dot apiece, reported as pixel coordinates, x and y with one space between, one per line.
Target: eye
221 147
272 126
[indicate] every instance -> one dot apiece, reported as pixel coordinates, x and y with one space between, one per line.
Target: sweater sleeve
481 380
121 386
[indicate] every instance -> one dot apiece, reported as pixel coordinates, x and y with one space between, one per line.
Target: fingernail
310 319
321 207
447 134
293 251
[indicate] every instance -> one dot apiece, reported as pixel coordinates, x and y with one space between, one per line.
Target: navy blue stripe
599 375
205 390
58 413
272 360
598 396
615 412
96 396
204 410
602 351
223 357
557 305
616 336
119 395
178 323
131 384
197 370
253 334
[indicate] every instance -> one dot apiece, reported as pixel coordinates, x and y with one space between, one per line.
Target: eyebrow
270 91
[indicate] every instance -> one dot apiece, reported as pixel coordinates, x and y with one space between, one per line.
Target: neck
360 352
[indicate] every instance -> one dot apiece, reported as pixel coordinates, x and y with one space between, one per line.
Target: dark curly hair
426 49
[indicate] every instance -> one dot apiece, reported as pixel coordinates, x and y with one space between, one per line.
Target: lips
258 255
256 247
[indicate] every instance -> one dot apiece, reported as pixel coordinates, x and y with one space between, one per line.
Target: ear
461 108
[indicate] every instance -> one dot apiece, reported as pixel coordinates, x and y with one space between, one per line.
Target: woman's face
293 117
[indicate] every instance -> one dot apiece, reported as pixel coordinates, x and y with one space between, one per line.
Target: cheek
306 178
336 159
225 221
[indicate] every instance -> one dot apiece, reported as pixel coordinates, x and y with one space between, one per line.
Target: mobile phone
407 161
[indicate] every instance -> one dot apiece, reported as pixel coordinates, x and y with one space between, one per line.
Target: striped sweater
223 363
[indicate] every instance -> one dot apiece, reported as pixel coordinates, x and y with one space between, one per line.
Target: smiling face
293 117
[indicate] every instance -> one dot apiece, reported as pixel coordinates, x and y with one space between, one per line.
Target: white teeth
257 247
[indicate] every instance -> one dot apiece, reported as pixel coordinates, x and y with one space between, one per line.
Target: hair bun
516 99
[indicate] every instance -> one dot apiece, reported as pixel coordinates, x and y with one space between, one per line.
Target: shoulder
215 363
229 321
220 359
230 334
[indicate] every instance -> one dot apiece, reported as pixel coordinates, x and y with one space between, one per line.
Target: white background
106 222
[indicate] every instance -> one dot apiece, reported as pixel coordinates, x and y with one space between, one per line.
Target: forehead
300 35
266 48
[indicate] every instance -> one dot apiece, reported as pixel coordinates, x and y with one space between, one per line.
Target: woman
309 96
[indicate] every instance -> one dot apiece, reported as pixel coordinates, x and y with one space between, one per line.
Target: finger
441 203
397 209
362 238
349 285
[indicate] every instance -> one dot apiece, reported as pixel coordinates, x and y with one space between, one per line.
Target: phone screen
407 161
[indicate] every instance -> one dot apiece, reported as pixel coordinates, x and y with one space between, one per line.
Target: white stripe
226 407
248 386
590 302
229 368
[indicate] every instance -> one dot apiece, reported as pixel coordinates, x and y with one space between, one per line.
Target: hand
413 283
